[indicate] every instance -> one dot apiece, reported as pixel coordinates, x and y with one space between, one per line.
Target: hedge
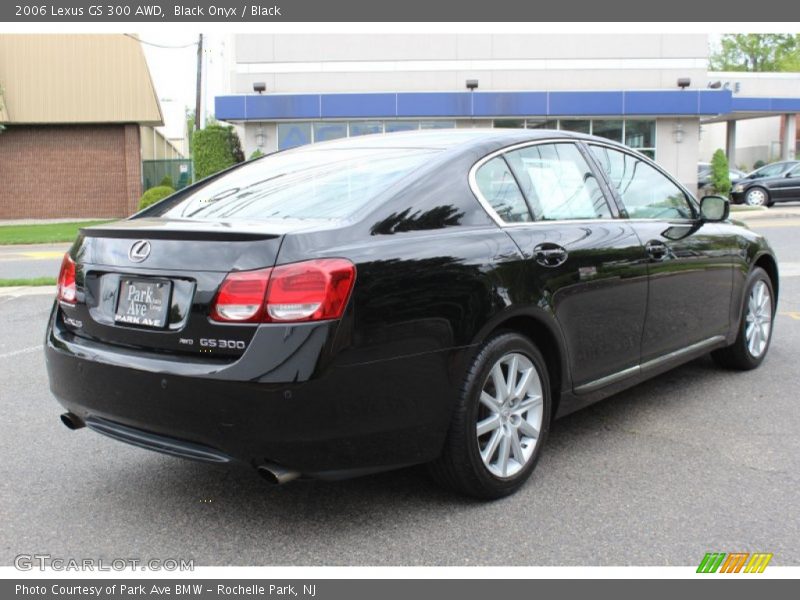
154 194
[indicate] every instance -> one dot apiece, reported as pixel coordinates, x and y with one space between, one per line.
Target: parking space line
793 314
22 351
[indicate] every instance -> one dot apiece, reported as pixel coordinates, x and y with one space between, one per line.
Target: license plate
144 303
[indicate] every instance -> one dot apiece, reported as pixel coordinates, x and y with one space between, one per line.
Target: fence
179 170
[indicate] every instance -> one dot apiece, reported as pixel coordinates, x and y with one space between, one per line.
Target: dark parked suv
380 301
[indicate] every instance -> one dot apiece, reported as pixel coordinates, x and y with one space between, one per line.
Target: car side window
558 182
795 172
498 186
646 193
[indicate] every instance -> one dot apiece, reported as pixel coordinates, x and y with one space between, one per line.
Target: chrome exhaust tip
72 421
276 474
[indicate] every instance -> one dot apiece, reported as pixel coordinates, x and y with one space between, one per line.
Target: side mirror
714 208
791 174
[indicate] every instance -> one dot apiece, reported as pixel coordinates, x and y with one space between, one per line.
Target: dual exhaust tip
272 473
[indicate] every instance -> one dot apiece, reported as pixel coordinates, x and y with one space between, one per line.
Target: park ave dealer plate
143 302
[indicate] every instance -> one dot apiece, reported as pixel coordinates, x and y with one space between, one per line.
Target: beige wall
339 63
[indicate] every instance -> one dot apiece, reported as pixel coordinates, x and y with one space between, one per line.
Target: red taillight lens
66 291
241 297
313 290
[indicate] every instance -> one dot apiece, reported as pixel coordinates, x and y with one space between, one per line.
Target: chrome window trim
473 184
473 181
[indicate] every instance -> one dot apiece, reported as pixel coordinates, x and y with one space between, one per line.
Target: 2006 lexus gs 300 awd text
381 301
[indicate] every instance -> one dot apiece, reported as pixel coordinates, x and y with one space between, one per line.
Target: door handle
657 250
550 255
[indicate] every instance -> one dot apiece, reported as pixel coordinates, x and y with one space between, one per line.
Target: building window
329 130
639 134
576 125
438 124
609 129
392 126
291 135
365 127
509 123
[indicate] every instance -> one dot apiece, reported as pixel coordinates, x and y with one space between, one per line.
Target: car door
787 186
690 262
582 262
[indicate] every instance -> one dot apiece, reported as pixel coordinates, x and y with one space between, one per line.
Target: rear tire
500 421
755 327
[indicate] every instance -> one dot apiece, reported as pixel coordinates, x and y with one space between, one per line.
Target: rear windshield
311 184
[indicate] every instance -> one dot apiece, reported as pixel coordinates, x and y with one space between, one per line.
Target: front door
690 263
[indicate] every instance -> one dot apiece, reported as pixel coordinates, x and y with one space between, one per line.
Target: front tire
755 327
757 196
500 421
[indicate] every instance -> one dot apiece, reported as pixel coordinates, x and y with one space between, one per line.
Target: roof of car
442 138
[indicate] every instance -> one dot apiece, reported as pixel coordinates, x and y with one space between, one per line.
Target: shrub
720 173
257 153
215 148
154 194
758 164
167 182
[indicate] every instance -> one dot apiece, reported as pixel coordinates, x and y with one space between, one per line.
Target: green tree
215 148
757 52
720 173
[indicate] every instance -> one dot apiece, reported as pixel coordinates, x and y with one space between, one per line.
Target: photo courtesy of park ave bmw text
336 300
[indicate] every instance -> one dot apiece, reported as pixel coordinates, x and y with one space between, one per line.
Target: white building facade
647 91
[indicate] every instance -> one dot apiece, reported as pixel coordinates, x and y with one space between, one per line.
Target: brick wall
58 171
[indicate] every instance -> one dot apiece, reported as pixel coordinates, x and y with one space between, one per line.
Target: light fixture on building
472 84
261 137
677 132
684 82
260 87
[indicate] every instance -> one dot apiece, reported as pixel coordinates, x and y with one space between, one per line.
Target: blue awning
276 107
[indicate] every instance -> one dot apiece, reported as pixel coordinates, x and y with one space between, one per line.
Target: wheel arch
544 332
769 264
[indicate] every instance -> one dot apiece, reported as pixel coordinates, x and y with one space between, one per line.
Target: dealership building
651 92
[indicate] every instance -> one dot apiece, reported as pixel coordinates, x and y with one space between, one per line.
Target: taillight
241 297
66 290
312 290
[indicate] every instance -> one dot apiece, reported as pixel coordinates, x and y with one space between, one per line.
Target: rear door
586 264
690 263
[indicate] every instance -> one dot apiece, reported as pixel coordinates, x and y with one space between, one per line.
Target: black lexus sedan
776 182
381 301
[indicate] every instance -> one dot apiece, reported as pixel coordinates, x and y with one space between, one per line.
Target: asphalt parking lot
697 460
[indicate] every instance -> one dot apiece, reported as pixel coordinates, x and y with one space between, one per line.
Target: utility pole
199 82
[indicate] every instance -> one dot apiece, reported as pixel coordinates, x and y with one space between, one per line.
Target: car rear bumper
323 420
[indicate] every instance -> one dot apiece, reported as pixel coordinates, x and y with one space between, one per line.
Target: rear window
311 184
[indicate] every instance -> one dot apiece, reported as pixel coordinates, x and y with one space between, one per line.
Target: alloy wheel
758 319
510 415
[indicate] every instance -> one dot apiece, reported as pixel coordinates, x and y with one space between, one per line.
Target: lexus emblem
139 251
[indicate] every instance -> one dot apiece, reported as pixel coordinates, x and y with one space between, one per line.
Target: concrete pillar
789 136
730 144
